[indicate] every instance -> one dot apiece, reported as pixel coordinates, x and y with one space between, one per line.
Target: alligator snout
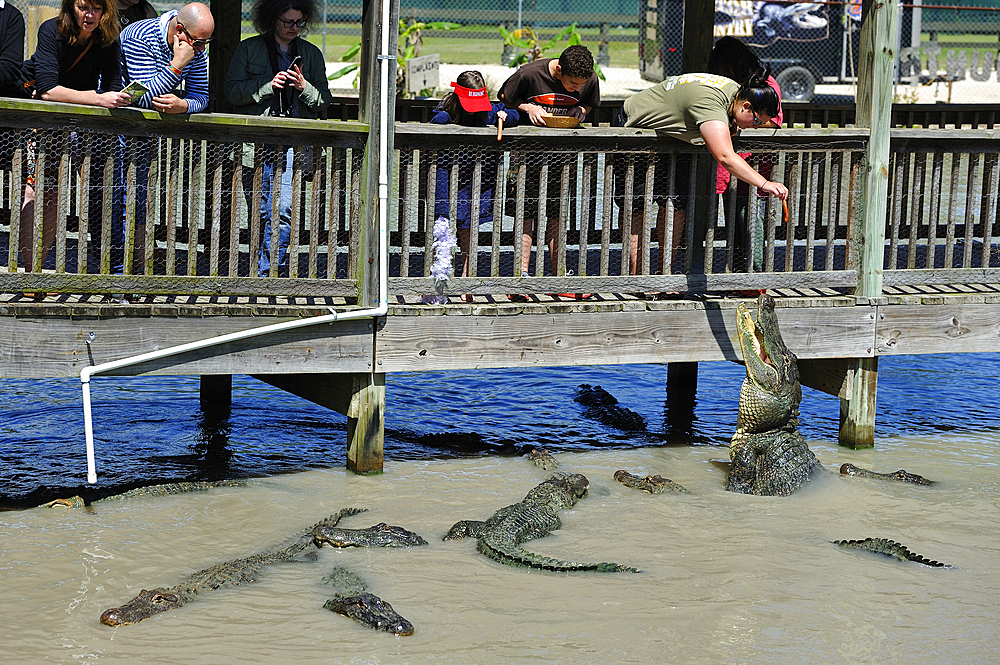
113 617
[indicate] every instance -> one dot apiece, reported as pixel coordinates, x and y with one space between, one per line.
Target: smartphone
297 60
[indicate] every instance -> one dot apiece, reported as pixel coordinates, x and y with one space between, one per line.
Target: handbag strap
82 53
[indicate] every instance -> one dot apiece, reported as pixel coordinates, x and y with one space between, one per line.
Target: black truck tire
797 84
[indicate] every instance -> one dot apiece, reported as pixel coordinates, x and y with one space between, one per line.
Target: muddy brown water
725 578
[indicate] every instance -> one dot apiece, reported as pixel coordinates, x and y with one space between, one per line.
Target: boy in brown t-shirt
564 86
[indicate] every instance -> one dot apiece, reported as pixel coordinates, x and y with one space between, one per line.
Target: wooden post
366 424
682 386
216 392
874 106
699 28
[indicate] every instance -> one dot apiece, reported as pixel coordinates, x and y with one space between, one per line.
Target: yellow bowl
562 121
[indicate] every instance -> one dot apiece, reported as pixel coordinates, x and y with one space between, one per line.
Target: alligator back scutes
889 548
500 536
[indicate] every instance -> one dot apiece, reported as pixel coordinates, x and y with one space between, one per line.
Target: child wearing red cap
468 105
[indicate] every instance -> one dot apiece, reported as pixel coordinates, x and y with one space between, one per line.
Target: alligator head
380 535
143 606
771 392
371 611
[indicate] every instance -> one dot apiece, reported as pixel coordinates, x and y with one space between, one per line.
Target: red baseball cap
473 100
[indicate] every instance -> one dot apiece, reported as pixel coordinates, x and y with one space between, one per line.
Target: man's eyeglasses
289 22
194 42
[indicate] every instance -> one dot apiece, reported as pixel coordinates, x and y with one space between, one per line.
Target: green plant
525 38
410 42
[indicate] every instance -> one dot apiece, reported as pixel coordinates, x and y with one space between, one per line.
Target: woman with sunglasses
277 73
704 109
76 60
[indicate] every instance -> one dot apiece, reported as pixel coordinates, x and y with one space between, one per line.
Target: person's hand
183 52
776 189
578 112
536 114
502 116
169 103
278 82
113 100
295 79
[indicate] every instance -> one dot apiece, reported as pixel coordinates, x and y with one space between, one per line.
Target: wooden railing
204 233
199 229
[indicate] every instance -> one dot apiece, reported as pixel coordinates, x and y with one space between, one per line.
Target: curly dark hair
265 13
577 62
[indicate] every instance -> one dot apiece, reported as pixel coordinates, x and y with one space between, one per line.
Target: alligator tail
889 548
525 559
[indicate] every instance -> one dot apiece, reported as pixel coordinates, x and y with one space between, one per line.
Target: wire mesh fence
88 202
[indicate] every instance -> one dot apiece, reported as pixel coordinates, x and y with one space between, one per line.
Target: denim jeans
284 208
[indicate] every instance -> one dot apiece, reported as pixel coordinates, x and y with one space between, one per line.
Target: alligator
536 516
229 574
652 484
603 407
848 469
352 600
768 455
77 501
380 535
888 548
542 459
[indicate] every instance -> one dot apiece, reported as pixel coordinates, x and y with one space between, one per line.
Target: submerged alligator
653 484
888 548
229 574
543 459
848 469
500 536
352 600
603 407
165 489
380 535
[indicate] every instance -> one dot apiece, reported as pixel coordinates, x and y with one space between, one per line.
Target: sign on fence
422 72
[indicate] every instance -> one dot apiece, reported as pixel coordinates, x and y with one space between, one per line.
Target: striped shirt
146 58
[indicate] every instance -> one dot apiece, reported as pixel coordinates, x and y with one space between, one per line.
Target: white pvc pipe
382 304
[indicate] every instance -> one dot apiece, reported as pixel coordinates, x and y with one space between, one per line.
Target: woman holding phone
276 73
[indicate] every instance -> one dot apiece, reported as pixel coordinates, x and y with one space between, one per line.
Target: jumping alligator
229 574
768 455
536 516
542 459
353 601
380 535
77 501
888 548
848 469
603 407
652 484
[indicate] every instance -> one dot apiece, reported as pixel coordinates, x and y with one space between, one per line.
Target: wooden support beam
682 386
332 391
366 424
874 110
832 376
228 33
699 28
216 392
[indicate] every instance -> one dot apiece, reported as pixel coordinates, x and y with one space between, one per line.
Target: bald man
168 53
